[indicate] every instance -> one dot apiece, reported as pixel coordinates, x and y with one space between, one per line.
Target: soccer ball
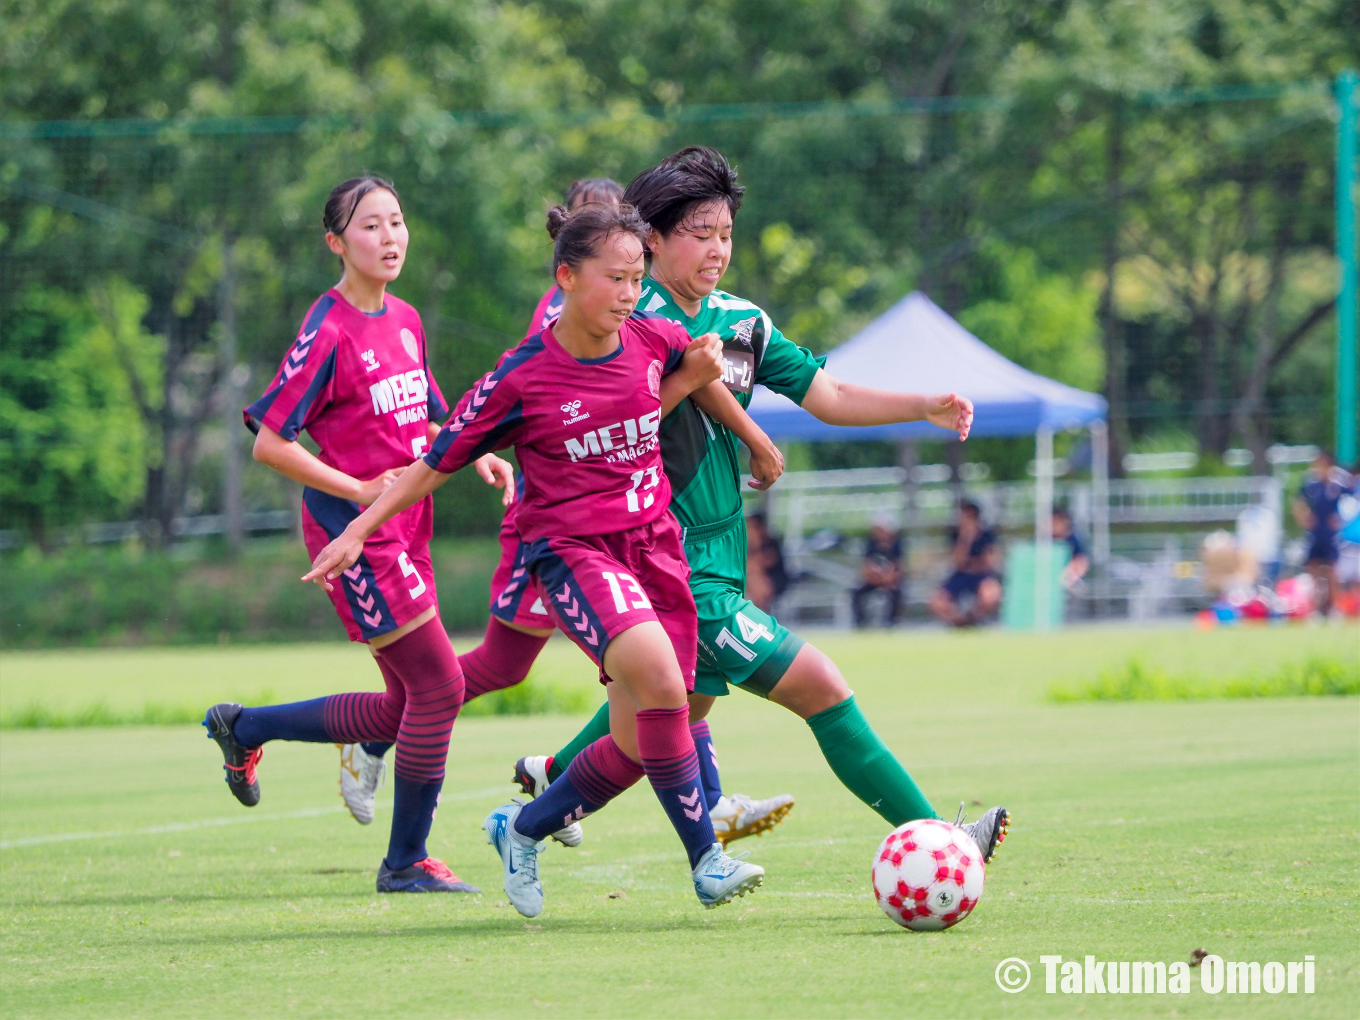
928 875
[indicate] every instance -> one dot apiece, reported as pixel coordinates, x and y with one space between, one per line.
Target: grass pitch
131 884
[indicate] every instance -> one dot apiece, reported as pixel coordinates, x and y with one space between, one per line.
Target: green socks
595 729
864 764
854 751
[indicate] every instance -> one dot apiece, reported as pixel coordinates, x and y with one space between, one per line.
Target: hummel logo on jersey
573 408
370 360
405 393
625 440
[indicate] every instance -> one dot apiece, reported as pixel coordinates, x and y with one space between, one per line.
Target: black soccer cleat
429 875
239 761
531 774
988 832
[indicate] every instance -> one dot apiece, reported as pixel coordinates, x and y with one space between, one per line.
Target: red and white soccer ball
928 875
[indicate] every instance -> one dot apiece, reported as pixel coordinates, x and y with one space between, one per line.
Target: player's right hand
339 555
370 490
703 360
767 464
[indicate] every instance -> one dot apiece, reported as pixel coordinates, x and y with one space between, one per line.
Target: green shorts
738 643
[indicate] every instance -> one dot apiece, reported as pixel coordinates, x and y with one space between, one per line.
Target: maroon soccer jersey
359 383
549 307
584 431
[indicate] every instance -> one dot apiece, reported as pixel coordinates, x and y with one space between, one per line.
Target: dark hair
601 190
1063 512
666 194
345 198
577 235
967 506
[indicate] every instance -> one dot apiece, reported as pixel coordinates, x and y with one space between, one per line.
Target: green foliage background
1119 194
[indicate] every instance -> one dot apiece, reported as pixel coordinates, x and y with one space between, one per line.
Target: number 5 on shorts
409 569
620 603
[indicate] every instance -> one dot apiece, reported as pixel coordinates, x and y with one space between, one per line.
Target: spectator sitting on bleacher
972 593
1065 532
766 578
881 570
1317 509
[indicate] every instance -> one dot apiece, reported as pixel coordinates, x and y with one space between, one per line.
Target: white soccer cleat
738 815
361 774
718 879
531 775
519 862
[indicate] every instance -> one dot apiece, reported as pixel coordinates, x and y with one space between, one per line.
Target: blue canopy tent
915 346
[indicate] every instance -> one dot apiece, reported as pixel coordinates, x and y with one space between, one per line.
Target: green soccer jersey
700 454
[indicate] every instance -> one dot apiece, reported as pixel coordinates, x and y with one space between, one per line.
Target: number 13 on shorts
621 602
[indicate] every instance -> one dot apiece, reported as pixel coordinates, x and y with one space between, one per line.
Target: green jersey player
690 200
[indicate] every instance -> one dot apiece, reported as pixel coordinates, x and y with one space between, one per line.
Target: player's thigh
740 643
642 660
811 684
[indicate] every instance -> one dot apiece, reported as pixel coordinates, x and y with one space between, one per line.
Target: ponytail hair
577 236
345 198
594 191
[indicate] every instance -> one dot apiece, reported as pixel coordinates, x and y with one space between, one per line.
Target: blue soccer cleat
519 861
429 875
719 879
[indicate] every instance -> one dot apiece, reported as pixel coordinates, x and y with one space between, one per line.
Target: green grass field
133 885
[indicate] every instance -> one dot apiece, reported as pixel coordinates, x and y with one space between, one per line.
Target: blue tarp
916 347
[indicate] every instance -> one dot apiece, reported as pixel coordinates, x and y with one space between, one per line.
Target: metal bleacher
1150 569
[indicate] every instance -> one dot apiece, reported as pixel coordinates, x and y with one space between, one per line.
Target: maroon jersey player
580 403
357 379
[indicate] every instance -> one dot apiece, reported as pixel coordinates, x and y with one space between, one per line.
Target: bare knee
699 706
989 594
642 660
812 684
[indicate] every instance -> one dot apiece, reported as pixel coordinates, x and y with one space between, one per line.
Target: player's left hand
767 464
951 411
499 473
339 555
703 360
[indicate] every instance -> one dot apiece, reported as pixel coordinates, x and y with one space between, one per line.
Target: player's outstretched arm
293 460
841 403
767 463
415 483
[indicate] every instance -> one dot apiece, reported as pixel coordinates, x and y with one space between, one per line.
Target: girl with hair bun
581 404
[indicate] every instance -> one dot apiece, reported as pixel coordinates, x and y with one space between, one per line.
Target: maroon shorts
513 598
392 582
601 585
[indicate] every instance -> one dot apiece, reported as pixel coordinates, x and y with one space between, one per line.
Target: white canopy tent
915 346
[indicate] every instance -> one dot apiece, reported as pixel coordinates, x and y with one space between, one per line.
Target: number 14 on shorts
616 581
751 632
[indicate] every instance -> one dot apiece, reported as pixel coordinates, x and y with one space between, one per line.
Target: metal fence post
1346 357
